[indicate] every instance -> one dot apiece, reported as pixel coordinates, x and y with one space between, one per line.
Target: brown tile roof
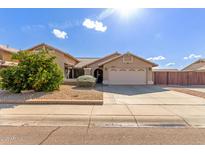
109 60
85 61
110 56
8 49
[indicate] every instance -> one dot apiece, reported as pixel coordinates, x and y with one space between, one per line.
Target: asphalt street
98 135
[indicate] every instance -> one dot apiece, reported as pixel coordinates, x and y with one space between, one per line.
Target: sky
171 38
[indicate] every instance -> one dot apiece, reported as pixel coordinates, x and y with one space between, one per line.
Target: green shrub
86 81
35 71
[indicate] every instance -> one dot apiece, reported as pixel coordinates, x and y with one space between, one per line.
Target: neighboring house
113 69
197 66
6 56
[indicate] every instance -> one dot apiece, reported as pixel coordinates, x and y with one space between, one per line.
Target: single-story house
197 66
113 69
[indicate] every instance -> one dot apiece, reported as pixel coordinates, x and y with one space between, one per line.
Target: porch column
149 76
72 73
87 71
67 74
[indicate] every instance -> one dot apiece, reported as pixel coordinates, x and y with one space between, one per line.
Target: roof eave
9 50
153 64
101 59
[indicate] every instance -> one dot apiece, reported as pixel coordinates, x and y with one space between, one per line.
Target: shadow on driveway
5 106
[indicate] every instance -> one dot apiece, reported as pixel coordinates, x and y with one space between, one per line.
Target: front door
98 74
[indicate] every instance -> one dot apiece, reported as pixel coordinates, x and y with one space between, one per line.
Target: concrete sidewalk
164 116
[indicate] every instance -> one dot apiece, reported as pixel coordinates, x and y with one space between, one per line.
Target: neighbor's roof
147 61
8 49
85 61
7 63
165 70
198 65
201 68
51 47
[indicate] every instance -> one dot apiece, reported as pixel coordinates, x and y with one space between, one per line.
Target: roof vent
127 58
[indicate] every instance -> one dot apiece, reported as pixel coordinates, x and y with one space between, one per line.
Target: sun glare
126 12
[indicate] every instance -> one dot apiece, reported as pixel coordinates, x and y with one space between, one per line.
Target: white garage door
127 76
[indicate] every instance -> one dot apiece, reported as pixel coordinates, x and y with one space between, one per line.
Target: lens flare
126 12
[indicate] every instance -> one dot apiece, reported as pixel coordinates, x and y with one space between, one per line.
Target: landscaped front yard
66 92
73 92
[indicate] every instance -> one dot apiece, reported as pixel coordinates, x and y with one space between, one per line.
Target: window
127 59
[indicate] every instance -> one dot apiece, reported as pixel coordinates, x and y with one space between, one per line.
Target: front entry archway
98 74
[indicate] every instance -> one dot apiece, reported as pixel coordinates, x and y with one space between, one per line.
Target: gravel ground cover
67 92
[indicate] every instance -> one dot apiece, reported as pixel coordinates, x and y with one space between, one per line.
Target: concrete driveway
147 95
154 105
124 106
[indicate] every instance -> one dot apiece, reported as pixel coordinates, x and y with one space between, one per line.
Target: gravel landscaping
66 92
73 92
190 92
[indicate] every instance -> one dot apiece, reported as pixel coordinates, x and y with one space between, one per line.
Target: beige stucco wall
62 59
5 55
137 63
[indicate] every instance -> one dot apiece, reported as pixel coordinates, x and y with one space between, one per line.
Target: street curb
53 101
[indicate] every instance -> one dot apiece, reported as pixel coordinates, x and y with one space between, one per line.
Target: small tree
35 71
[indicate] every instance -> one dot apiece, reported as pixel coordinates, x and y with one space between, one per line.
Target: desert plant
35 71
86 81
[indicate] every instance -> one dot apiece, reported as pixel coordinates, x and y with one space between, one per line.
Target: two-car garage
127 69
126 76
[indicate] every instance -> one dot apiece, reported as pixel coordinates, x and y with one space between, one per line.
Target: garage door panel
127 77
